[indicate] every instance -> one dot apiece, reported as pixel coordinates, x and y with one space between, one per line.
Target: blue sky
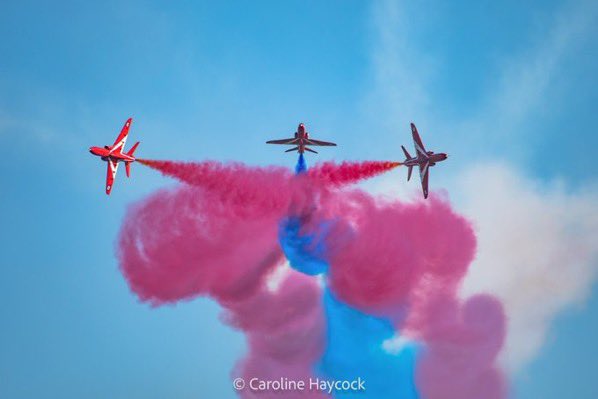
484 80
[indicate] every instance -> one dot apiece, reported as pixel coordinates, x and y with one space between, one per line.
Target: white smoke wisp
537 251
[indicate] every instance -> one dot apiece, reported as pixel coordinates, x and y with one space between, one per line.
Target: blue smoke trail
305 252
301 165
355 340
355 349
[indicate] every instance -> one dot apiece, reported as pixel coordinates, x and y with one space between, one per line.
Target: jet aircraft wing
424 171
284 141
110 175
417 142
119 143
318 142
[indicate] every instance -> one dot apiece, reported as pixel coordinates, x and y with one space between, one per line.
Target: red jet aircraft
301 141
424 159
113 155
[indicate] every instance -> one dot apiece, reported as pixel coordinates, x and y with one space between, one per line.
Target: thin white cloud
400 71
526 77
537 249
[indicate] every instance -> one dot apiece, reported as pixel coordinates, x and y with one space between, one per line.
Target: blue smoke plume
355 340
305 252
301 165
355 348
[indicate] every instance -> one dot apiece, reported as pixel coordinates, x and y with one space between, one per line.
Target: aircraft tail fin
406 152
310 150
132 150
292 149
409 172
130 153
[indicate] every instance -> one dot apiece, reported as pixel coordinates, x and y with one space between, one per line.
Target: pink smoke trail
349 172
235 184
217 176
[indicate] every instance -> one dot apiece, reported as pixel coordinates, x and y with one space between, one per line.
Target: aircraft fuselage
302 136
432 158
301 141
105 154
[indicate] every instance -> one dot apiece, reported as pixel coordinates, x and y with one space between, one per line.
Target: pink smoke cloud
183 243
218 236
393 246
285 331
463 339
